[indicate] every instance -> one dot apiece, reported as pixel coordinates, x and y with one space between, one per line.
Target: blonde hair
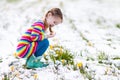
55 12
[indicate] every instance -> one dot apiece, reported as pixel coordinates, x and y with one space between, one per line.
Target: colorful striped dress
28 42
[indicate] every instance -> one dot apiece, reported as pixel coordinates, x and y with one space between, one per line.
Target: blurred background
94 21
90 30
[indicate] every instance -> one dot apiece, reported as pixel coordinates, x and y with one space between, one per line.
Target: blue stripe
37 29
34 35
25 40
27 32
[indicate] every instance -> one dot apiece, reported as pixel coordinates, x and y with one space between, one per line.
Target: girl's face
53 20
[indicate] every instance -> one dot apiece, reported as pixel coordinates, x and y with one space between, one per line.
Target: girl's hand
52 34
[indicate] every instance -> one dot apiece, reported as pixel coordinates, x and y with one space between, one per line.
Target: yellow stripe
42 37
19 52
35 39
42 32
26 34
35 33
38 27
23 42
31 49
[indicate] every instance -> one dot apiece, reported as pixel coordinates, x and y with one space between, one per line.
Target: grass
1 60
83 71
118 68
6 77
11 1
102 56
116 58
98 21
118 26
62 55
84 38
90 58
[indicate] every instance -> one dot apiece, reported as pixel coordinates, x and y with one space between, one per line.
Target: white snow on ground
89 28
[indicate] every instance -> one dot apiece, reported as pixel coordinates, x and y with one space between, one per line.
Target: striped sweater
28 42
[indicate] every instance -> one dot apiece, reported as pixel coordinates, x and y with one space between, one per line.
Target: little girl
34 41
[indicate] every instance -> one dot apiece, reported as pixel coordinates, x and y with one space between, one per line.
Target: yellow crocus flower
80 64
12 68
51 47
35 76
15 54
45 54
60 50
90 44
63 61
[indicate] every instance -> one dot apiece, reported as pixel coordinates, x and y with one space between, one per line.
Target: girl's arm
50 35
37 33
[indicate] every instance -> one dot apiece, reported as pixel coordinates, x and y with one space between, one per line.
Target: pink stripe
29 30
33 38
39 24
40 37
26 38
35 47
25 52
20 45
36 31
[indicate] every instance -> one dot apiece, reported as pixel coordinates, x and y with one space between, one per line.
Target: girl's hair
55 12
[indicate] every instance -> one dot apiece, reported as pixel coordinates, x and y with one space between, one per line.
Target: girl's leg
34 60
41 48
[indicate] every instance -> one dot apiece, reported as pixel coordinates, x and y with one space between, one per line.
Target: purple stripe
40 22
37 29
27 48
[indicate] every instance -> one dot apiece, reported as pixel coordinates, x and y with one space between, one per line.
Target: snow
92 20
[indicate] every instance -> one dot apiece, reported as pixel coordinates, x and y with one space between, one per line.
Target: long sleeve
28 42
37 32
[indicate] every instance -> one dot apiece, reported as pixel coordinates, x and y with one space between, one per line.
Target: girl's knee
46 42
43 44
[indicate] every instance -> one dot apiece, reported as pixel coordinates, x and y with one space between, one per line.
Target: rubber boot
34 62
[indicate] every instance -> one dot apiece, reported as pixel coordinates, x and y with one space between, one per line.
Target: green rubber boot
34 62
